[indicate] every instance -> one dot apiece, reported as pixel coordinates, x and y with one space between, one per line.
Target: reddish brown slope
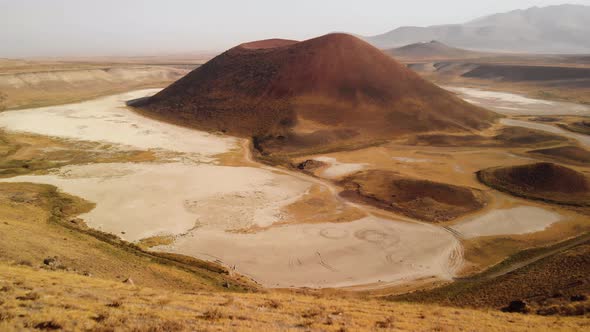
317 92
547 182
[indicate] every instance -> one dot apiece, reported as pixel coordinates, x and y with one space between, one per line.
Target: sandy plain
506 224
517 220
226 213
263 221
108 120
515 104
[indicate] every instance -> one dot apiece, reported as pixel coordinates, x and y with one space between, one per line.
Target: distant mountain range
553 29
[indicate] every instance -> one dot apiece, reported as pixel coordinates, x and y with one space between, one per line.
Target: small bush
213 314
31 296
5 316
25 263
311 313
115 304
274 304
99 318
385 324
167 326
228 301
48 325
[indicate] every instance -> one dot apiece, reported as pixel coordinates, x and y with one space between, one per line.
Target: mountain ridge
552 29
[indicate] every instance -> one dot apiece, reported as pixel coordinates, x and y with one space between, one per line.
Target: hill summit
321 91
432 50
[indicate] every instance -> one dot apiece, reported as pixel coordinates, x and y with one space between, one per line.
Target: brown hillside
432 50
569 154
505 137
329 89
543 181
421 199
555 285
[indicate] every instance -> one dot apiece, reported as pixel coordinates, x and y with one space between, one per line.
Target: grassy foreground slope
555 285
39 225
38 228
37 299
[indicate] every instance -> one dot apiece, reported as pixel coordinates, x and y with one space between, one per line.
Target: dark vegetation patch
30 296
48 325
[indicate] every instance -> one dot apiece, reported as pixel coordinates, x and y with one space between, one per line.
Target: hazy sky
136 27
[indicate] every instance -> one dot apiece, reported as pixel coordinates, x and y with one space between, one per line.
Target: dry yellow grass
155 241
319 206
82 288
22 153
484 252
36 223
37 299
555 284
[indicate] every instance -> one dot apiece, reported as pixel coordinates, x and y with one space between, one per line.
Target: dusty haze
30 28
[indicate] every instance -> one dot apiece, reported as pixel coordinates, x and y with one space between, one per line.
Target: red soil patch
416 198
339 83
